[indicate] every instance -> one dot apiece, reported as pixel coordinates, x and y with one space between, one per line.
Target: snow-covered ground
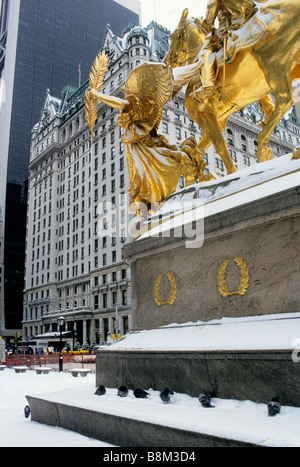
243 420
18 431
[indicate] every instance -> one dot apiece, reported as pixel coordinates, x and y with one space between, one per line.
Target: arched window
230 138
244 142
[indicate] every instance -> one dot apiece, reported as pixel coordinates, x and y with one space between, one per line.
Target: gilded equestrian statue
253 70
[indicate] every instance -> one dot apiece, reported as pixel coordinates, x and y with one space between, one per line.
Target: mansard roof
51 108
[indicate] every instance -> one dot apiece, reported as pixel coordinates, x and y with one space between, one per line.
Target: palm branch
96 78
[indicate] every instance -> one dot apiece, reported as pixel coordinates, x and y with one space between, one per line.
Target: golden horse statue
269 67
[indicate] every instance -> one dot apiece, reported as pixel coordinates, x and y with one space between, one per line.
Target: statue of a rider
232 16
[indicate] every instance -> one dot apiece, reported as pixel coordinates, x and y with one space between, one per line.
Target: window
178 133
124 297
230 139
114 298
247 160
244 142
165 127
233 154
125 322
219 163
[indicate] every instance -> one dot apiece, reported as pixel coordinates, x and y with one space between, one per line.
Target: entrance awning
54 335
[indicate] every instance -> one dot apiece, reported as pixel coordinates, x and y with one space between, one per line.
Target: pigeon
123 391
205 400
27 411
140 393
100 391
274 406
165 395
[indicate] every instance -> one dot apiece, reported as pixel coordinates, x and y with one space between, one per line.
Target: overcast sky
168 12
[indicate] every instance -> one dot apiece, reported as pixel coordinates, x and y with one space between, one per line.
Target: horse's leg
283 102
267 107
206 141
213 134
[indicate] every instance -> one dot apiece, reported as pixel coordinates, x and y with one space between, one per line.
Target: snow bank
268 332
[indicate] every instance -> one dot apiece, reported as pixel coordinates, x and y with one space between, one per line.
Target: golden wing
164 91
151 83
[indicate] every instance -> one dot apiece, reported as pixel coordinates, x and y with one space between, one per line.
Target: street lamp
60 321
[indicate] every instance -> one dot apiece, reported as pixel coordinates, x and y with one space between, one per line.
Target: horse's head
186 41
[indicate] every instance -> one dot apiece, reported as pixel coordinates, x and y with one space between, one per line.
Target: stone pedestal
248 265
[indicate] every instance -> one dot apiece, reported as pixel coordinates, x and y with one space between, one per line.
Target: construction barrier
2 350
52 361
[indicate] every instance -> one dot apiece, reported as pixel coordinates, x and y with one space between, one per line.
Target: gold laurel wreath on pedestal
244 282
173 292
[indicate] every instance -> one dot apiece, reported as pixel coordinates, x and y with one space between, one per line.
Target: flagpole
79 72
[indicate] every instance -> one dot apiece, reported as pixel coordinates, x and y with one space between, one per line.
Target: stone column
84 334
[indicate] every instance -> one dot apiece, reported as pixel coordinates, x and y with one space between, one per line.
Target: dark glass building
45 46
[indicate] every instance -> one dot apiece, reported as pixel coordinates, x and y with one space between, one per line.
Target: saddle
247 37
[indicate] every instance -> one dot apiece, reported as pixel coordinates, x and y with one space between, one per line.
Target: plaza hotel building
43 44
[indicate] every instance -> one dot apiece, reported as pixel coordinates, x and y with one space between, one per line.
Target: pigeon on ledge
140 393
274 406
27 411
205 400
100 391
123 391
165 395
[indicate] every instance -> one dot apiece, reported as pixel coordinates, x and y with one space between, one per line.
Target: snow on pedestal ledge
268 332
244 186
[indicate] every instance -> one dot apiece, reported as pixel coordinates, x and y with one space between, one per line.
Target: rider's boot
205 92
208 76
